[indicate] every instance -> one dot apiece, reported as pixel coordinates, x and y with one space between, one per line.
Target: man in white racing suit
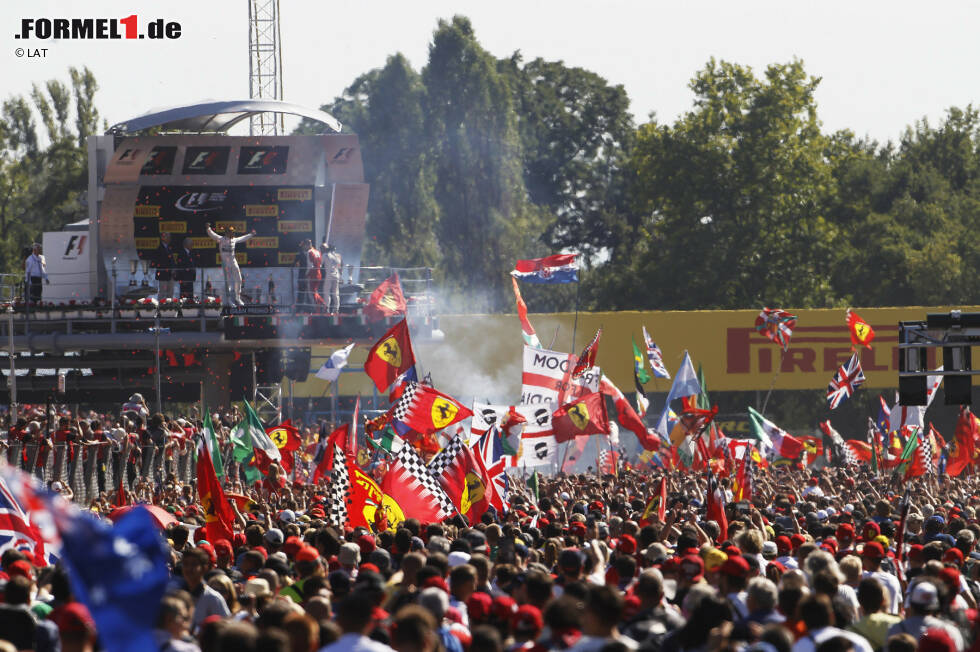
332 265
233 275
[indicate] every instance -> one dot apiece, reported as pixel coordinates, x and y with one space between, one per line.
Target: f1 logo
128 155
260 159
76 245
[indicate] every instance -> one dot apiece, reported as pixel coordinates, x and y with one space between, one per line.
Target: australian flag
847 379
118 571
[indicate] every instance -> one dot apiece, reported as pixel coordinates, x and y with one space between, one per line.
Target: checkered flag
415 468
445 457
925 445
401 409
338 491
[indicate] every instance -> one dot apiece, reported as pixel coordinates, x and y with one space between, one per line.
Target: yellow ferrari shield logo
579 414
475 490
388 301
279 437
443 412
390 352
861 329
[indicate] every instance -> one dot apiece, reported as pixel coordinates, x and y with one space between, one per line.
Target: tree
576 134
43 178
486 220
730 199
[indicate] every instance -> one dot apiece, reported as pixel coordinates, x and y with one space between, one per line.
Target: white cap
458 558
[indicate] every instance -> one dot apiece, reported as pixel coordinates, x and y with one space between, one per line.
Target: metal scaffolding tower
265 64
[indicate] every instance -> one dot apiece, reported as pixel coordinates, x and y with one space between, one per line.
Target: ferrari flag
426 410
390 357
861 331
585 416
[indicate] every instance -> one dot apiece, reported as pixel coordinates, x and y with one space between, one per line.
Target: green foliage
43 174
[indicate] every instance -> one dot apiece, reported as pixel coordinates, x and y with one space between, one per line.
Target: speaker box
296 364
912 390
959 390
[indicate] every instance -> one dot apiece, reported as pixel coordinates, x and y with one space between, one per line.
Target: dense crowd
817 560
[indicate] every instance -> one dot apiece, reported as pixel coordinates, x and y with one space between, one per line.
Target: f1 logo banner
263 160
206 160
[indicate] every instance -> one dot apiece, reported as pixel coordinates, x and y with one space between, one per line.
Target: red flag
860 449
586 416
387 300
390 357
627 416
286 438
587 360
716 507
961 450
861 331
573 456
409 483
464 479
218 515
121 499
658 502
337 437
426 410
530 337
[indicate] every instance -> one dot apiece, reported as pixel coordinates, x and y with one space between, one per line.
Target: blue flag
119 572
685 384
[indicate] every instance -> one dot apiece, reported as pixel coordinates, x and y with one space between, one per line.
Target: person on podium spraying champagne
229 265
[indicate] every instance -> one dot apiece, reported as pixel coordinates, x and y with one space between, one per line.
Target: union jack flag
655 356
777 325
847 379
17 529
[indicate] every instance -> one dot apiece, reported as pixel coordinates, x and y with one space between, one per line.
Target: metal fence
91 470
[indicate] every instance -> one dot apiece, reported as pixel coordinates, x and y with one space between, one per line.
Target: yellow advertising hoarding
734 356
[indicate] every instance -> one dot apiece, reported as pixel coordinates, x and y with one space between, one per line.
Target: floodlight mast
265 64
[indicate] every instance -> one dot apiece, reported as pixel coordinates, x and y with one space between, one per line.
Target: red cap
503 607
208 548
871 530
735 567
783 544
478 607
292 545
951 576
936 639
73 617
307 553
22 568
953 556
222 547
437 582
873 550
368 566
367 544
692 566
527 618
915 552
627 544
845 531
797 540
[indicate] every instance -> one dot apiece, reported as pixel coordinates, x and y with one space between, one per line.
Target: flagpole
578 287
782 352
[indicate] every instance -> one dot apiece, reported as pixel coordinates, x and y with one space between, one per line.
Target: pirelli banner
733 355
286 188
282 217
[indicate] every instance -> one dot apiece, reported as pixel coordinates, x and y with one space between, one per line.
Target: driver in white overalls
233 275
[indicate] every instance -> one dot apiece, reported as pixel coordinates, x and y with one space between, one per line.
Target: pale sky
883 64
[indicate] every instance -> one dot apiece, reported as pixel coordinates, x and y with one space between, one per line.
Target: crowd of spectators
815 561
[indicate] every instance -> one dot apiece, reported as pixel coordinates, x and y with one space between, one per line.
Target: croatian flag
560 268
330 371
